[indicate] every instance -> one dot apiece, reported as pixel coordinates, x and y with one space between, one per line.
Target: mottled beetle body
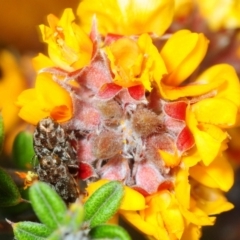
56 153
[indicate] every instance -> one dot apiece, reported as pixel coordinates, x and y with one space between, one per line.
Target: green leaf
47 204
104 203
23 151
110 232
74 217
1 132
9 193
30 231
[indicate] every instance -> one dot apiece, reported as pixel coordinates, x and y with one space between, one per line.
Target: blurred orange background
19 21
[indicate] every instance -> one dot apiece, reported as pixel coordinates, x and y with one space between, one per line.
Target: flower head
142 115
68 46
37 103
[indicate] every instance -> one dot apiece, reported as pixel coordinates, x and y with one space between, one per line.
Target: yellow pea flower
220 14
12 82
127 17
189 49
37 103
135 62
68 46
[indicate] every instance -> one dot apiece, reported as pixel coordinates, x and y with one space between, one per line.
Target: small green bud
23 151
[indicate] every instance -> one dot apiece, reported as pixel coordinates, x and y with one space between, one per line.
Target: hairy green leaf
104 203
30 231
23 150
47 204
9 193
110 232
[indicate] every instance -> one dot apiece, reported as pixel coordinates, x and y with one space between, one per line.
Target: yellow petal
42 61
170 160
189 49
219 205
132 200
191 158
195 89
212 175
139 223
230 89
133 17
196 216
26 97
192 232
209 139
218 111
166 205
182 185
210 200
58 97
32 112
154 65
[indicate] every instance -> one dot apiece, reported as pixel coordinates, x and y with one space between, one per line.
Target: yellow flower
68 46
182 54
205 118
220 14
169 215
127 17
218 86
38 102
12 82
135 62
160 130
